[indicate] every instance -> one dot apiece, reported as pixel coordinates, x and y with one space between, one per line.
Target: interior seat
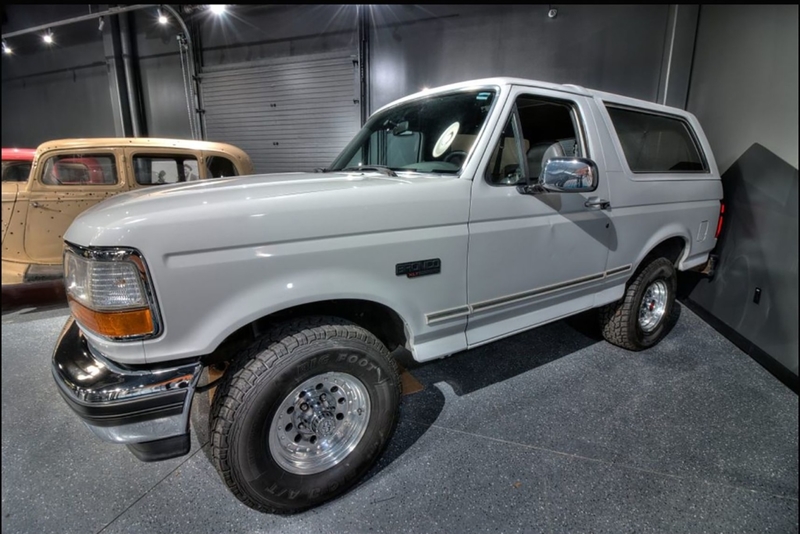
535 158
540 153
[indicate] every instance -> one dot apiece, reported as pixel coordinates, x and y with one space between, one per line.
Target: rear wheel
639 320
303 414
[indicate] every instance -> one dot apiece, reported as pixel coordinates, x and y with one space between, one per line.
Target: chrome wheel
319 423
654 305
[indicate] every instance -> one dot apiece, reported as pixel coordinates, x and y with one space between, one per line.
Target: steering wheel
456 157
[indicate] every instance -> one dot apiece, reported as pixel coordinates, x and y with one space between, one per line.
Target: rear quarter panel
647 209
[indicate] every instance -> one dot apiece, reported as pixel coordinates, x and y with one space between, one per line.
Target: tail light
721 218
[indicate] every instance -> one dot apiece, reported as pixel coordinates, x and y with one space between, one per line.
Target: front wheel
303 414
639 320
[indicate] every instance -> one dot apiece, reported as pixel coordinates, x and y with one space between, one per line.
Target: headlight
108 292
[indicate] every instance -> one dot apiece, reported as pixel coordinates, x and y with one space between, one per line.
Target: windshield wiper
377 168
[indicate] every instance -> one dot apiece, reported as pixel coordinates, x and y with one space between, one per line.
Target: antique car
71 175
455 217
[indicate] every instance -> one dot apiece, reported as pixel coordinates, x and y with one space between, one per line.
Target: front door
534 258
64 185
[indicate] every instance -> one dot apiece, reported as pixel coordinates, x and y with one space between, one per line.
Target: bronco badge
414 269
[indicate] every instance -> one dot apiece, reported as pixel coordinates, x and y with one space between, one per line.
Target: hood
242 211
237 189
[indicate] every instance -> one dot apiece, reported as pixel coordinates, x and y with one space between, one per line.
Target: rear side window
219 167
16 171
656 143
80 169
163 169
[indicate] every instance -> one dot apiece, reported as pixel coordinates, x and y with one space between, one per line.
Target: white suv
455 217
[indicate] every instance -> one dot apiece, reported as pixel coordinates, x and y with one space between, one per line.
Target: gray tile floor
547 431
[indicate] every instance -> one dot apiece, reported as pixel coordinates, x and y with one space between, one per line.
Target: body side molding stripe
444 315
618 270
509 299
463 311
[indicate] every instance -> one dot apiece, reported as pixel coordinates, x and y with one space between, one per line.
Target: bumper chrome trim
122 404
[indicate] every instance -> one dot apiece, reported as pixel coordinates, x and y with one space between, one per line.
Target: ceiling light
217 9
162 18
48 37
6 48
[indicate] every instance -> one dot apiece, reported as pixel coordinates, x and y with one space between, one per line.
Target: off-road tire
619 321
263 375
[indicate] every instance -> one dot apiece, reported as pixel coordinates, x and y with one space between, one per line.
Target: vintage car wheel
640 319
303 414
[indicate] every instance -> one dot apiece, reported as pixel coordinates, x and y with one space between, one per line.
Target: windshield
16 171
432 134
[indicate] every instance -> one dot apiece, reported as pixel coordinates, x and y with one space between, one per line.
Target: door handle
35 204
597 203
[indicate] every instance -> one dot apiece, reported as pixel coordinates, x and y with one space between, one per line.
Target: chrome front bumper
144 408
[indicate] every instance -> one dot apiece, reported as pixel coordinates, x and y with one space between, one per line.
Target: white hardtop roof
564 88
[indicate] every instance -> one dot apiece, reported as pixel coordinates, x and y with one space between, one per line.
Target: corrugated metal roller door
290 115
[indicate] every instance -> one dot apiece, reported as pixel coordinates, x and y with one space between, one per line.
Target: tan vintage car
71 175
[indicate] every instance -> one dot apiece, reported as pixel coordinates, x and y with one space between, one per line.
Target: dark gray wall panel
745 80
612 48
744 91
164 101
55 93
164 109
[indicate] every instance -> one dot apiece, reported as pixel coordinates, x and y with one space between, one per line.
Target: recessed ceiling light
217 9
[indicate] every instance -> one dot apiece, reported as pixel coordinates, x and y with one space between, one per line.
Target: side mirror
565 175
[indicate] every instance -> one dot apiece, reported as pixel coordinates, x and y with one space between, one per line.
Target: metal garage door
293 114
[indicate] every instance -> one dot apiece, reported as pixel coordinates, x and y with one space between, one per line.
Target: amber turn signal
113 324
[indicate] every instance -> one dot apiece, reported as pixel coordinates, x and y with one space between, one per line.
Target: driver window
549 131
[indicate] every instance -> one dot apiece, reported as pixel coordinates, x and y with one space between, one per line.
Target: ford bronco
456 216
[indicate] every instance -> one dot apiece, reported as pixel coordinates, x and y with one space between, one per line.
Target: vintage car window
16 171
80 169
431 134
549 130
656 143
219 167
161 169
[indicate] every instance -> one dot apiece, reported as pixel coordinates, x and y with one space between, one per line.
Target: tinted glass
16 171
161 169
655 143
218 167
80 169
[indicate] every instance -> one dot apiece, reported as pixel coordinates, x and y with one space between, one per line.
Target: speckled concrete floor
547 431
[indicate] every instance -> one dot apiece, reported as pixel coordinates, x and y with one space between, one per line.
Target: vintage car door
149 166
10 192
534 258
64 184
